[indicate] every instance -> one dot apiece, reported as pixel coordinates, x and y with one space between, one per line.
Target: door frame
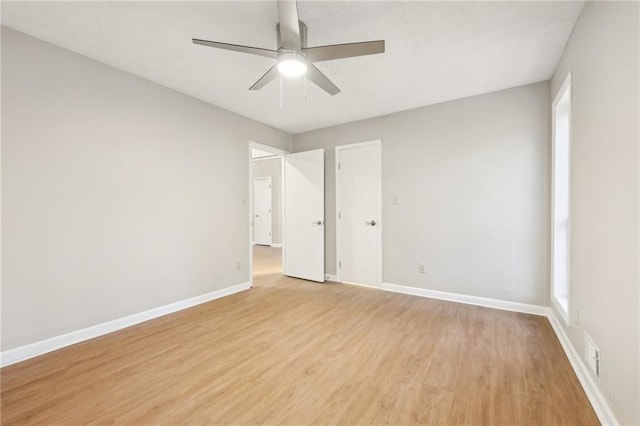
377 143
270 180
280 153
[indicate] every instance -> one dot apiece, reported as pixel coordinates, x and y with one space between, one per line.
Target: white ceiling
436 51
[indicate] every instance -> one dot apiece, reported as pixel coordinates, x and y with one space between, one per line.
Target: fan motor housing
303 35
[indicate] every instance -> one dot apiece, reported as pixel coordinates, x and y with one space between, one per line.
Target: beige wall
602 55
118 195
471 177
272 168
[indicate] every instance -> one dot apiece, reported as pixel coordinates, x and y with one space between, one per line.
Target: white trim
586 379
267 148
469 300
271 157
282 212
591 388
42 347
566 85
377 143
276 245
360 285
589 385
556 304
331 277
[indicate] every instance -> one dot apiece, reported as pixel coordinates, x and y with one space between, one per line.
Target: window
561 111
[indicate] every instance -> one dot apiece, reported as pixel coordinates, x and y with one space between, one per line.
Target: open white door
304 215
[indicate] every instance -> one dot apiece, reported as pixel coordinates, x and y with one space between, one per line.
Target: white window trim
566 85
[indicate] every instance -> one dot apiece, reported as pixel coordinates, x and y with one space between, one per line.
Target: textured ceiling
436 51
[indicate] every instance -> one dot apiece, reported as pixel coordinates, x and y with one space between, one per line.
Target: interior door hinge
339 166
339 215
339 263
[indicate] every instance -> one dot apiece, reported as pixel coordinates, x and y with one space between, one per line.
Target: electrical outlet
237 266
421 268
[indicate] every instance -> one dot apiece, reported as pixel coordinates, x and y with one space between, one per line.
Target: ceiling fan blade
321 80
339 51
268 77
237 48
289 26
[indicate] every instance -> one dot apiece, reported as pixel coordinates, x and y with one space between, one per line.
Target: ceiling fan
294 58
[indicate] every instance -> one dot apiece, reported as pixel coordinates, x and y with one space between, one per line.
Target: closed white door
262 210
304 215
358 208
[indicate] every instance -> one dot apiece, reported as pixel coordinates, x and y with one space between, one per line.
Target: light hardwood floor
294 352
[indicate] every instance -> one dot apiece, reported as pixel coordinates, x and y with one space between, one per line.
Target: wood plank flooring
294 352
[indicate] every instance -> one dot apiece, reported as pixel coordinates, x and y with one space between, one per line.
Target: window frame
564 89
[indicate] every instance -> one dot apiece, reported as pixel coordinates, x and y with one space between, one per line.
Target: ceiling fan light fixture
292 64
294 58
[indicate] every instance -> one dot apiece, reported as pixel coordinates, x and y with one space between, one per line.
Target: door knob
372 223
317 223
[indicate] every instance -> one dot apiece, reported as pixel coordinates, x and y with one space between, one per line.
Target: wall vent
592 355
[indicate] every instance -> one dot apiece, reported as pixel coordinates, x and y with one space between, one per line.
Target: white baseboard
276 245
591 388
25 352
360 285
330 277
469 300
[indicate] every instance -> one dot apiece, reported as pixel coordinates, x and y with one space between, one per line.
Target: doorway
266 214
359 213
296 245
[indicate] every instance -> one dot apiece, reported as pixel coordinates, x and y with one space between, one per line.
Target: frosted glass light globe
292 64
